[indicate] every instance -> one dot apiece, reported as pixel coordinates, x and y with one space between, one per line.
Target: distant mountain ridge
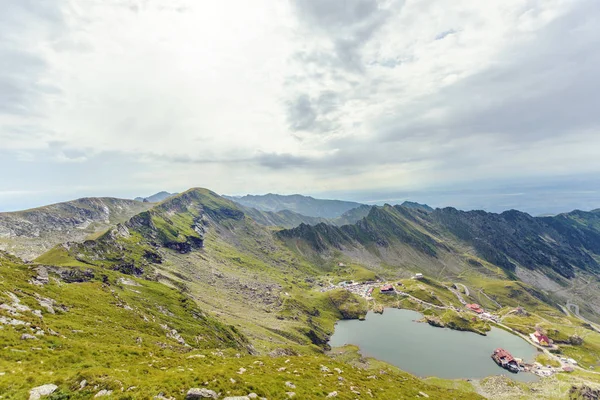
156 198
300 204
31 232
291 219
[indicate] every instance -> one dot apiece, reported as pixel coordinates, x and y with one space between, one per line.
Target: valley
194 293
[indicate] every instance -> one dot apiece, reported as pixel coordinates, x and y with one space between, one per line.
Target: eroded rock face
30 233
584 393
42 276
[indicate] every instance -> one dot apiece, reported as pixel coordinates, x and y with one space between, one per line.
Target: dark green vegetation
192 289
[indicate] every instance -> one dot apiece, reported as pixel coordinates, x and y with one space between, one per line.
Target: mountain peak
419 206
300 204
156 198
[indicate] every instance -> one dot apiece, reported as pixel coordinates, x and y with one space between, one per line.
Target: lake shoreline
401 338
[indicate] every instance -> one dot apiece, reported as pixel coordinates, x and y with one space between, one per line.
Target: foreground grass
140 338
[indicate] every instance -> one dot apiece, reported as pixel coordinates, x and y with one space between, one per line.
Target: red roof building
543 340
387 289
475 308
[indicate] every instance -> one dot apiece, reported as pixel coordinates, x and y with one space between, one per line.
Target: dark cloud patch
540 89
332 15
281 161
311 114
18 91
348 25
22 25
442 35
339 30
301 114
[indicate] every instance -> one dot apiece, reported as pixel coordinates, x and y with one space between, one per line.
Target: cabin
387 289
475 308
541 339
418 276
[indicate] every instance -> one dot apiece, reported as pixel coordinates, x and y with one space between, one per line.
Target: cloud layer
313 96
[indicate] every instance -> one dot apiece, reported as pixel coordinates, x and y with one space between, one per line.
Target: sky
472 104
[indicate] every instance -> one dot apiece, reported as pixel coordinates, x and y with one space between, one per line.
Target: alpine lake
423 350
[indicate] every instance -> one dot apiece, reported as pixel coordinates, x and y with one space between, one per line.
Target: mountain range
304 205
199 291
156 197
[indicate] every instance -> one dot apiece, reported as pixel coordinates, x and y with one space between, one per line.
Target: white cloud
306 95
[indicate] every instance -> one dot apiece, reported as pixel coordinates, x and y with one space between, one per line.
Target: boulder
576 340
200 393
45 390
27 336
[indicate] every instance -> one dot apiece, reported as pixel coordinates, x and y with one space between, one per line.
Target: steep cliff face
29 233
561 244
383 227
557 246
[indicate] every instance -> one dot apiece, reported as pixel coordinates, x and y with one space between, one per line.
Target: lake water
424 350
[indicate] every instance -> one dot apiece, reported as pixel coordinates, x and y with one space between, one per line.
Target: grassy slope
98 341
240 260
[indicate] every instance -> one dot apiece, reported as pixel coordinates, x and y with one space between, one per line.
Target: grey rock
237 398
161 396
27 336
200 393
45 390
333 394
290 385
103 393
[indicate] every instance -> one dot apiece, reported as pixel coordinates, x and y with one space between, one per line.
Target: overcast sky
479 104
